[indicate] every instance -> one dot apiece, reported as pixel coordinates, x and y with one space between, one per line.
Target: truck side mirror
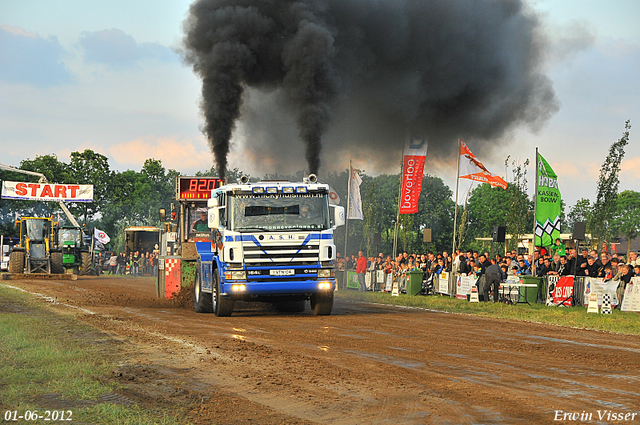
338 215
214 216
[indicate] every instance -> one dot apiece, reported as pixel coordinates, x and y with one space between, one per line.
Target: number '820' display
197 187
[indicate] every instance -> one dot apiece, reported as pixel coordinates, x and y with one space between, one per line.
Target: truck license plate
286 272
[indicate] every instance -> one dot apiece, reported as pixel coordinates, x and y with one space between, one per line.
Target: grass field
618 322
50 361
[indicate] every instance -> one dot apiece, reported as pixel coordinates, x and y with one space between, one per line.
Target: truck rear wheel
57 267
202 302
85 267
322 303
16 262
222 307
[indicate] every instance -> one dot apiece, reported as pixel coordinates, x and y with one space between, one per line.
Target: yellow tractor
33 253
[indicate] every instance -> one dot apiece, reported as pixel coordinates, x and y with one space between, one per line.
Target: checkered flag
606 304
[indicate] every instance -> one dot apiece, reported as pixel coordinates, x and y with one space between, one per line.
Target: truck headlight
326 272
239 275
324 285
238 288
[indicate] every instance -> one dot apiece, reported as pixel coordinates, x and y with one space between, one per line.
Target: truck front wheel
201 301
222 307
322 303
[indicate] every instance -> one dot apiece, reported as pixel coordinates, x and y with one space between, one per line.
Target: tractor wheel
16 262
222 307
202 302
322 303
57 267
85 267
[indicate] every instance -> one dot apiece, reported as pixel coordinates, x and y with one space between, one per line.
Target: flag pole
395 230
346 220
455 209
535 211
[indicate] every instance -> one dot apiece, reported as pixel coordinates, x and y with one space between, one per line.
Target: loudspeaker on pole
579 229
499 233
426 235
377 239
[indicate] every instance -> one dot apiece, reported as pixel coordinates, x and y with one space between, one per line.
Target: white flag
355 203
101 236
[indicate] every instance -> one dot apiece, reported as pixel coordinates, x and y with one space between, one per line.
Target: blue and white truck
272 242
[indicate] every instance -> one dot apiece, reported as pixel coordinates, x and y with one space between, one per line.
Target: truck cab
272 242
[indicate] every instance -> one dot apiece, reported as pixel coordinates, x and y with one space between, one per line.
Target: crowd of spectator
135 264
554 261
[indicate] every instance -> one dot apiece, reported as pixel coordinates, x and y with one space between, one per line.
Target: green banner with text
548 205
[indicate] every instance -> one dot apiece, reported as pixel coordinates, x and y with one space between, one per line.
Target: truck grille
282 255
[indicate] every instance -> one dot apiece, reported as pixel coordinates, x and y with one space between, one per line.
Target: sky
106 76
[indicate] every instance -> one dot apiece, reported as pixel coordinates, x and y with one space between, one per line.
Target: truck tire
57 267
202 302
222 307
322 303
16 262
85 267
290 306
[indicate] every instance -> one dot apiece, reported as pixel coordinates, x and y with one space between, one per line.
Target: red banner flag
415 154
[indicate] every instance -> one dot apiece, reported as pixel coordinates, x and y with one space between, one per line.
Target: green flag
548 206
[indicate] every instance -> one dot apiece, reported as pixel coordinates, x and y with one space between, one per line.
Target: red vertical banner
415 154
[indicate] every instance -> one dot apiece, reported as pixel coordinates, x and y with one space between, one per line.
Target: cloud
28 58
176 154
115 48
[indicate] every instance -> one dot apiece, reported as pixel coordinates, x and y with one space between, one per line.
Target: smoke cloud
355 75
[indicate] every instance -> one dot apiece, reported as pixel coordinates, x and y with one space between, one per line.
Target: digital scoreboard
197 187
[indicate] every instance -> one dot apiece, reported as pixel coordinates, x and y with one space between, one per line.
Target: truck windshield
252 213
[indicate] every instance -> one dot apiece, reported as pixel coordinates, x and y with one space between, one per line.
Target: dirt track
364 364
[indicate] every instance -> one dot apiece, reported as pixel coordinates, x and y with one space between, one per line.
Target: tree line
133 198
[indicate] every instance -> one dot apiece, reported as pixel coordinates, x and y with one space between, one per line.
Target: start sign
47 191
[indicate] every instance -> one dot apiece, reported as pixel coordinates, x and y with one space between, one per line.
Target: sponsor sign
443 283
563 292
47 191
600 287
463 286
631 300
415 154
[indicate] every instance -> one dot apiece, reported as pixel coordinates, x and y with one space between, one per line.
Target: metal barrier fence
448 284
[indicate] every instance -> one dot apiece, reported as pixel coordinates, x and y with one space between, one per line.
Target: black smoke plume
362 73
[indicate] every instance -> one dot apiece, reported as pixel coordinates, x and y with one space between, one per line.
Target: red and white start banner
47 191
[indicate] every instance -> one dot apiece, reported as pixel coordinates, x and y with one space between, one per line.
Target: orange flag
472 169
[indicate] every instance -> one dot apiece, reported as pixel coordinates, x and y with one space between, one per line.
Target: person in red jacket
361 268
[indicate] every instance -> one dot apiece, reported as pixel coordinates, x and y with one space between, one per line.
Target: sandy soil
364 364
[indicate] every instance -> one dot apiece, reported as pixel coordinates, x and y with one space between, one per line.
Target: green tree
626 220
580 212
519 206
604 207
89 167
